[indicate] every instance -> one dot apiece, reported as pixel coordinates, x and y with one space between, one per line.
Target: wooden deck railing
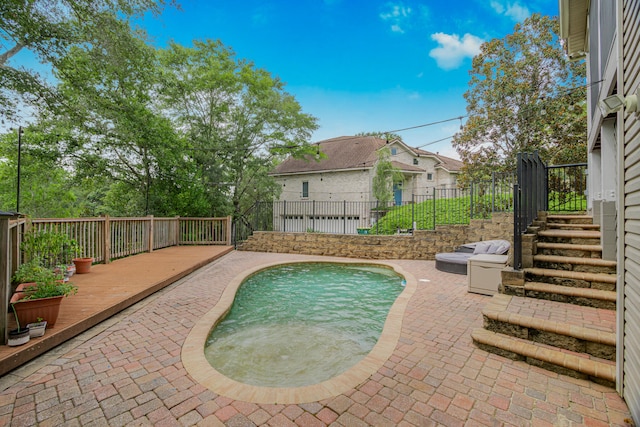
104 239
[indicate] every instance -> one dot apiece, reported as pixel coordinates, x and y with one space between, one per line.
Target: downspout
620 211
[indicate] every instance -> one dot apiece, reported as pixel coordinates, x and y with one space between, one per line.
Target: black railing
437 206
560 188
567 185
530 197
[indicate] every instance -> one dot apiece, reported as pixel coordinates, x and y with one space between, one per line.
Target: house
606 33
346 171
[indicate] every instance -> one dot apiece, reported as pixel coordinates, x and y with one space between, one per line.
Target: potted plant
53 249
42 299
19 335
83 265
30 272
37 329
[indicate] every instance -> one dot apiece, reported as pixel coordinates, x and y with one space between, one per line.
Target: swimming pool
300 324
196 364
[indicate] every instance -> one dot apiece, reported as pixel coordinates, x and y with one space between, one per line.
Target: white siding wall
631 236
353 186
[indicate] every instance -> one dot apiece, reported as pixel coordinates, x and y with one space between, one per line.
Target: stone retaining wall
424 244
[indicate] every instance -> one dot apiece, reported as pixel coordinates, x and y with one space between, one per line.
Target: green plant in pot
53 249
30 272
42 299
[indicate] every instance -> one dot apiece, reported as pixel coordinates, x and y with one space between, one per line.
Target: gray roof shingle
354 152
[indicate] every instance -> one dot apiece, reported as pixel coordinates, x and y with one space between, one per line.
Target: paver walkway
128 371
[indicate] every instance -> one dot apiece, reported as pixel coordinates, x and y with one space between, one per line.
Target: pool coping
196 364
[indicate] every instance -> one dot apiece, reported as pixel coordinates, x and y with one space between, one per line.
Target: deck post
107 239
150 228
176 235
5 273
229 230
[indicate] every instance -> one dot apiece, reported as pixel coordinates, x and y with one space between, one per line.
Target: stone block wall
423 244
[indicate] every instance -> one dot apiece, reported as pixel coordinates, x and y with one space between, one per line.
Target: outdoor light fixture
616 102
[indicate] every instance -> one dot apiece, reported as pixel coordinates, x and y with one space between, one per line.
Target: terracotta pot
83 265
29 311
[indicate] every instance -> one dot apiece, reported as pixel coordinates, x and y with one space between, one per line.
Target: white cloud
397 14
515 11
453 50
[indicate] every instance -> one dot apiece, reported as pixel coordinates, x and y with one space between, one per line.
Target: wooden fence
105 238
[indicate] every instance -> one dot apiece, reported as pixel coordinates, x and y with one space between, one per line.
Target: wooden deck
108 289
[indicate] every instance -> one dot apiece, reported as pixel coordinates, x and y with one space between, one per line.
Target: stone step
559 259
579 279
576 365
571 263
569 249
588 237
579 296
570 219
570 327
571 226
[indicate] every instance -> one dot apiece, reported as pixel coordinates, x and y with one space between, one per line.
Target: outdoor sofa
456 262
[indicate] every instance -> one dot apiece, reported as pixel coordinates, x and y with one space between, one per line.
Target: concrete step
573 364
579 296
571 263
575 328
579 279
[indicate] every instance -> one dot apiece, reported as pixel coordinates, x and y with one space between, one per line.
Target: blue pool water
300 324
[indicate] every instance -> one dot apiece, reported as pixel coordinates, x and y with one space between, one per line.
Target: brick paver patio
128 370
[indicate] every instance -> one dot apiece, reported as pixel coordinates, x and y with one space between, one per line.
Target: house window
429 177
394 151
415 161
305 189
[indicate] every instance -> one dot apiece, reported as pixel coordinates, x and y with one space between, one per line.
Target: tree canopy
47 29
128 129
524 95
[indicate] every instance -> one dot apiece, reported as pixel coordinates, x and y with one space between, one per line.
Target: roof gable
345 152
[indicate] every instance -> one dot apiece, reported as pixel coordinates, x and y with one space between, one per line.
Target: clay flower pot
29 311
83 265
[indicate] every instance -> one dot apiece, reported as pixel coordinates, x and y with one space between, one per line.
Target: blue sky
359 65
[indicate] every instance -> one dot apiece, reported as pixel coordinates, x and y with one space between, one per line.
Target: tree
384 177
524 95
46 188
48 29
110 123
382 135
238 121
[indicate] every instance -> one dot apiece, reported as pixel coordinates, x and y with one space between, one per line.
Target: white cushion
482 248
